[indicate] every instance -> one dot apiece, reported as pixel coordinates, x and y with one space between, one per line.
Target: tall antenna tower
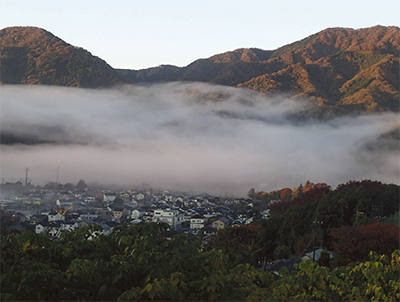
26 176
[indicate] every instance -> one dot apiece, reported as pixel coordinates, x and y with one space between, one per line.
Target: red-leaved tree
353 244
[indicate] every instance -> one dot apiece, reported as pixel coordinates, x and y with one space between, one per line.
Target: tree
252 193
81 185
139 264
374 280
286 194
242 244
296 192
352 244
262 195
69 187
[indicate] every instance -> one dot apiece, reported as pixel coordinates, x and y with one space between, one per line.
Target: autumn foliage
341 70
352 244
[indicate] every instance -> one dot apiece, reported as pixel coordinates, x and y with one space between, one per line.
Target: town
56 208
102 243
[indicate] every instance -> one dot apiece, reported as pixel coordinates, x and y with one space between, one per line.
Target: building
197 222
173 217
220 223
109 197
54 216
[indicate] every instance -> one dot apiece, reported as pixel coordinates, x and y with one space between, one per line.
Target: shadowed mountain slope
31 55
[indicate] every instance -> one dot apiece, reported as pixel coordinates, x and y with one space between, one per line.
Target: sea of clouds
184 136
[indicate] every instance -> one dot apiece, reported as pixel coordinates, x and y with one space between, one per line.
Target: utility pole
26 176
319 222
315 235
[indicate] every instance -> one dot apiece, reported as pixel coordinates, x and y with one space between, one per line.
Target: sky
142 34
171 136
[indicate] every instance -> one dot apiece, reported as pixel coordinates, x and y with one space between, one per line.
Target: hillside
341 70
31 55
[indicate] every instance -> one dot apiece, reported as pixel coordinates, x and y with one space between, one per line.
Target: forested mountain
31 55
341 70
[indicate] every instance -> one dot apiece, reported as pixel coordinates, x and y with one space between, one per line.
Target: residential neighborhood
55 208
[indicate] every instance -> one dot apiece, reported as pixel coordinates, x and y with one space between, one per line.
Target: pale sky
141 34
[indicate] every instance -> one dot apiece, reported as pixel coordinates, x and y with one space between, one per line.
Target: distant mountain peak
32 55
341 70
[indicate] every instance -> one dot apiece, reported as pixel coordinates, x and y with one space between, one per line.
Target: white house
137 213
41 228
68 226
54 216
173 217
109 197
139 196
197 222
106 229
56 228
134 203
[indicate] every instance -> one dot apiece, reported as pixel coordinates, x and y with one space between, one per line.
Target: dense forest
143 263
30 55
340 70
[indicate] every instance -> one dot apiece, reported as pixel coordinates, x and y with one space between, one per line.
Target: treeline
316 216
138 263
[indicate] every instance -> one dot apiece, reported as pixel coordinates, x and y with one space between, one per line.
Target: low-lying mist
183 136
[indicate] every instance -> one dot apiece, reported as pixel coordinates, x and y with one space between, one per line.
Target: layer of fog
192 137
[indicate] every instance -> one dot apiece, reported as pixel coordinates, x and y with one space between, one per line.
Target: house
220 223
222 210
139 196
315 255
41 228
208 235
54 216
105 215
266 213
86 223
137 213
209 231
275 201
88 216
237 222
35 219
136 221
120 212
54 228
148 216
249 220
69 226
173 217
18 217
106 229
277 265
208 239
117 212
109 197
197 222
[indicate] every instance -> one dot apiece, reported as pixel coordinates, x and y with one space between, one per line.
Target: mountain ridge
341 70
